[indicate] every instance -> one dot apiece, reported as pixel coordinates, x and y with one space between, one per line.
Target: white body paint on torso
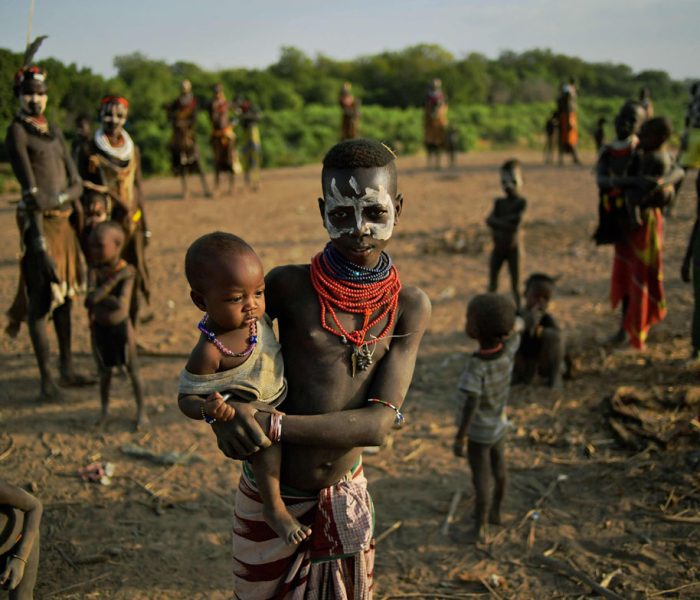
379 197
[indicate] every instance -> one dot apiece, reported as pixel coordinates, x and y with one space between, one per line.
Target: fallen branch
76 585
451 511
415 452
679 519
7 451
577 575
672 590
387 532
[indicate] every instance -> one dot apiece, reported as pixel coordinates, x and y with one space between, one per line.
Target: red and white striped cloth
336 562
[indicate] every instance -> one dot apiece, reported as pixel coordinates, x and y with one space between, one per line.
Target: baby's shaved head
207 252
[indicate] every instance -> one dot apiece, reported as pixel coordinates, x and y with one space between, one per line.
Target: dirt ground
625 515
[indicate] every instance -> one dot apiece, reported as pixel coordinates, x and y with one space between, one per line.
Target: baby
237 356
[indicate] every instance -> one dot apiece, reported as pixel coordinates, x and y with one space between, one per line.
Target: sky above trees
219 34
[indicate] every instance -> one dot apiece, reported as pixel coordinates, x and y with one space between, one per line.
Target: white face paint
33 104
113 117
379 198
511 180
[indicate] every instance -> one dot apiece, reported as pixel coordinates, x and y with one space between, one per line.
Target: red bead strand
359 298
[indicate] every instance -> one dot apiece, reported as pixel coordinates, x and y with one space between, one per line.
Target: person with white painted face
52 267
114 169
350 334
504 222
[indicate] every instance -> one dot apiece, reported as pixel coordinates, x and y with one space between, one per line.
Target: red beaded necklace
380 299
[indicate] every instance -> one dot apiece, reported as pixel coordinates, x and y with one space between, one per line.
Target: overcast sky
645 34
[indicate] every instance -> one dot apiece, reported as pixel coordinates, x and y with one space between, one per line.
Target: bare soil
578 497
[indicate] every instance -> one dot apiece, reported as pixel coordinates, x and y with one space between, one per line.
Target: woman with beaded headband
114 169
52 267
349 332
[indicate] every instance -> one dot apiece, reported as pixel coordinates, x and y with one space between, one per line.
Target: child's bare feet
286 526
495 517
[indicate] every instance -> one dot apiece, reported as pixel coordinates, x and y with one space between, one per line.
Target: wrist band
275 431
24 560
398 422
205 416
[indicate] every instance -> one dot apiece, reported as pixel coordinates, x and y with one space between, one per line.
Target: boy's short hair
494 315
359 153
511 165
540 279
205 250
109 226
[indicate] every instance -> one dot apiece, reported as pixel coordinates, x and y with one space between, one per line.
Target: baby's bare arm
204 359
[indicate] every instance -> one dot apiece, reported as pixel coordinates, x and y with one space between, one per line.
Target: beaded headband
107 100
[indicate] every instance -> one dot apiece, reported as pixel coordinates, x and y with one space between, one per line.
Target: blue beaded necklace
337 266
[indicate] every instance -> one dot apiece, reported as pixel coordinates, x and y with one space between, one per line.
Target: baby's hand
460 447
217 408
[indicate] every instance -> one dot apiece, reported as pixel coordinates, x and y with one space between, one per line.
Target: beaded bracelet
275 431
398 422
205 416
24 560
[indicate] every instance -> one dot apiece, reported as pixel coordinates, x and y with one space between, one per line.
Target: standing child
20 516
504 222
111 283
236 353
482 393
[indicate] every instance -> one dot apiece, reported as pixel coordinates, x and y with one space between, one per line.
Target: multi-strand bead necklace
341 284
211 337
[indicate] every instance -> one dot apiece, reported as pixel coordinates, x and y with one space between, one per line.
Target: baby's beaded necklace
211 337
341 284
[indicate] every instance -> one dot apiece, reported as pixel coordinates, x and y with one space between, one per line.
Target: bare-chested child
20 516
237 355
541 349
482 395
350 334
504 222
110 287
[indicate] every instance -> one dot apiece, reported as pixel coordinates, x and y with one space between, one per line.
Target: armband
18 557
399 420
275 432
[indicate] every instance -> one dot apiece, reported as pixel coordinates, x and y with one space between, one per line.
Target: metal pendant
361 358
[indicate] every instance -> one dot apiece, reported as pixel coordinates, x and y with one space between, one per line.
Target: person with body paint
114 169
52 267
350 334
